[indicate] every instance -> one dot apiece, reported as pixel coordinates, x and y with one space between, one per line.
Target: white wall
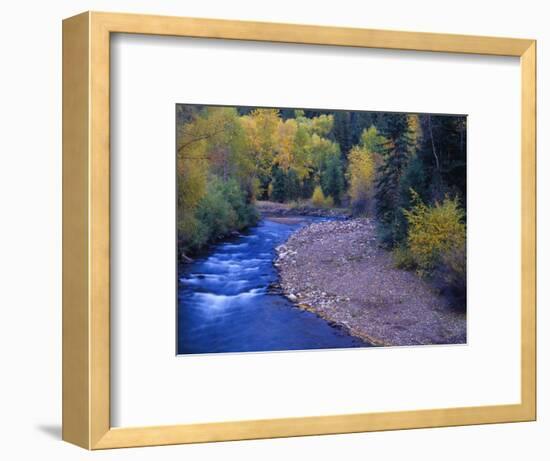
30 242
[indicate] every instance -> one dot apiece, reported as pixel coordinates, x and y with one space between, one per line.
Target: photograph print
302 229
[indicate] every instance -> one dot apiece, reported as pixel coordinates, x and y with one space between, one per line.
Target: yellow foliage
372 140
296 143
361 169
260 129
321 150
362 163
192 176
286 134
210 127
434 231
415 132
210 140
322 125
319 200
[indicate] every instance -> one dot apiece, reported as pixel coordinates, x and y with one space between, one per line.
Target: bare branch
433 144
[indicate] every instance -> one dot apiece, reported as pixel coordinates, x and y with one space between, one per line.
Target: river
225 303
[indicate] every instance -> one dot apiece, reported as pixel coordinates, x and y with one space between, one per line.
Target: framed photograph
276 230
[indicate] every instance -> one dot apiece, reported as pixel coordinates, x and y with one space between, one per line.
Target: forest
405 171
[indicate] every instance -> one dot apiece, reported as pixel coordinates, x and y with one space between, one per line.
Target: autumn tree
227 157
284 150
211 143
261 129
204 129
362 161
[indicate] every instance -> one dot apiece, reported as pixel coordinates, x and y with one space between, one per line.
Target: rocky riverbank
337 270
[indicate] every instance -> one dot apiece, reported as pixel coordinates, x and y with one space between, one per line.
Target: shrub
450 273
245 214
221 210
434 231
192 234
403 258
318 198
360 200
216 214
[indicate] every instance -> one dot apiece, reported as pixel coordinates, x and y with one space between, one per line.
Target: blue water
224 303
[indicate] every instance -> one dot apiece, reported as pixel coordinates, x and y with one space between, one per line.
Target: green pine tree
332 178
401 143
278 184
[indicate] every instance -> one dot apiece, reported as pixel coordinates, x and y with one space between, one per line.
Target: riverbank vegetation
407 171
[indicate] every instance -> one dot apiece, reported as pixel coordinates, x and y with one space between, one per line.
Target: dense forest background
407 171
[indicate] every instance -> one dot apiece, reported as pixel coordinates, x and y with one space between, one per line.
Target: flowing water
225 303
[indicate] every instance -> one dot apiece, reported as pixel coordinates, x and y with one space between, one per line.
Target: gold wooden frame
86 393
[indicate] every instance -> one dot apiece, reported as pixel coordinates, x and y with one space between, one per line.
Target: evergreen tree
292 185
341 131
332 178
307 187
401 142
278 184
361 122
445 146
